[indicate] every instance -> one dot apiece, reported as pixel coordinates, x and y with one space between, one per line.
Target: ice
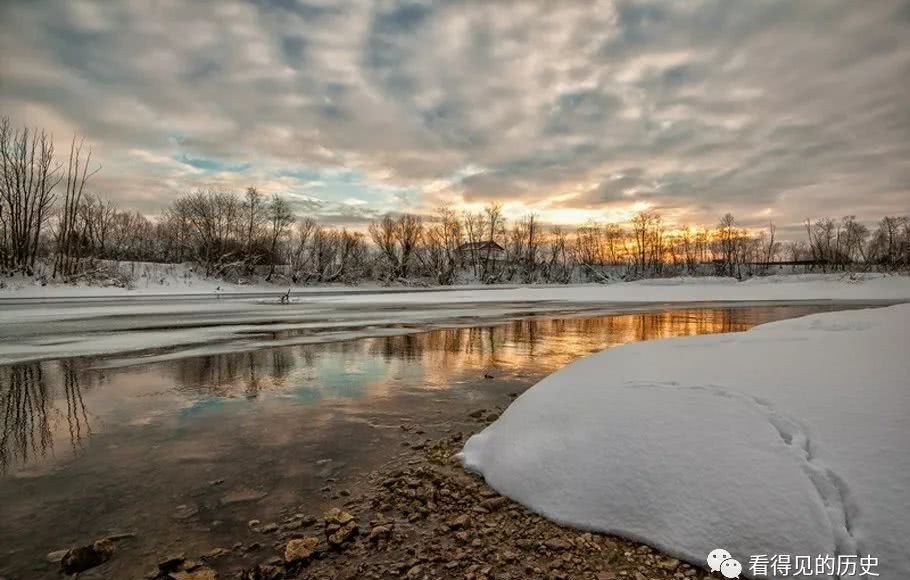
791 438
58 321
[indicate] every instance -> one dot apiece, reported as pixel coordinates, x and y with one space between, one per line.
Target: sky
576 110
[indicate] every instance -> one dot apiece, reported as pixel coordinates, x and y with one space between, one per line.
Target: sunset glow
573 111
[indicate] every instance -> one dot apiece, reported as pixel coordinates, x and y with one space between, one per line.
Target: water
183 453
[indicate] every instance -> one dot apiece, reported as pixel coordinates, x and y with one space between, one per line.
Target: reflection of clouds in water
41 402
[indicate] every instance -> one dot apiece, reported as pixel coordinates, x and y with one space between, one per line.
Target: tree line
47 214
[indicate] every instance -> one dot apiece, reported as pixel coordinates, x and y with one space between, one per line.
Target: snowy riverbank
788 439
45 323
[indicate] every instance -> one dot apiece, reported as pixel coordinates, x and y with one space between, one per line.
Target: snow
790 438
58 321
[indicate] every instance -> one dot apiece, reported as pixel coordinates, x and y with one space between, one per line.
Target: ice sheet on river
790 438
66 322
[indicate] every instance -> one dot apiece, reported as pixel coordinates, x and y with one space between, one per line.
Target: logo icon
720 560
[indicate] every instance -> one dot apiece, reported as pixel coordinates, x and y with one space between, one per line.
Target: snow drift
787 439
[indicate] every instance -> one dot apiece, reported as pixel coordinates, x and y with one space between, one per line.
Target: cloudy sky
771 109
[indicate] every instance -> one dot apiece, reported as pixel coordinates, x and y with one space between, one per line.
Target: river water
183 453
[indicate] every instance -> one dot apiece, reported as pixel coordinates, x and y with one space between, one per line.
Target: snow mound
787 439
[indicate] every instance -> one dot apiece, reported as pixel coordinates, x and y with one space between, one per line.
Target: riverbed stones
429 518
88 556
300 549
340 527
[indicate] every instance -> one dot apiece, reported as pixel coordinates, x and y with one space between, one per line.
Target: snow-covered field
791 439
59 321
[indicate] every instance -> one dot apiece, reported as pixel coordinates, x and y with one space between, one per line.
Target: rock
477 414
253 523
381 532
300 549
183 512
491 417
269 528
337 516
56 557
215 553
494 503
342 534
460 522
200 573
669 564
241 495
262 572
171 563
84 557
558 544
339 526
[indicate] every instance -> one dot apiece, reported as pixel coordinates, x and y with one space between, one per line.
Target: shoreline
422 515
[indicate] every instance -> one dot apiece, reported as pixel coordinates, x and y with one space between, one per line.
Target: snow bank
791 438
712 289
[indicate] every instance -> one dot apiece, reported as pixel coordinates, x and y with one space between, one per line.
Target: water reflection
43 404
31 413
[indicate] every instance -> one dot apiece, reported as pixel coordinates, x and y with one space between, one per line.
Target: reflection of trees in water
28 412
76 415
536 343
226 374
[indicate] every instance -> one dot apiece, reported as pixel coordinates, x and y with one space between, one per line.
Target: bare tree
727 239
280 217
440 243
77 175
647 232
397 240
253 209
384 236
494 229
28 176
407 234
209 219
771 247
523 255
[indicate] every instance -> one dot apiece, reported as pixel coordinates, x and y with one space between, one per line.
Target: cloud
700 107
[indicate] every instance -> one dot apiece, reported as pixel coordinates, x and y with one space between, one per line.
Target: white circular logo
722 561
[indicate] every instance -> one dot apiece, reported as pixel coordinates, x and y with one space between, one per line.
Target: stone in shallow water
242 494
57 556
84 557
